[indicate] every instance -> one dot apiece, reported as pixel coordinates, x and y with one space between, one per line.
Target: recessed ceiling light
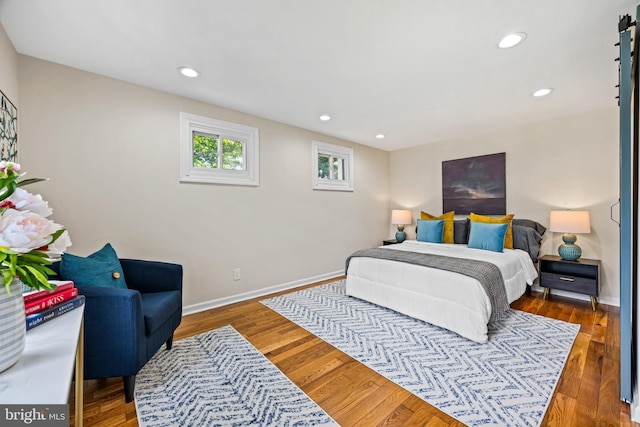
542 92
511 40
325 117
380 136
188 72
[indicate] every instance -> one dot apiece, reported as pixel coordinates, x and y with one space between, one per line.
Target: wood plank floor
354 395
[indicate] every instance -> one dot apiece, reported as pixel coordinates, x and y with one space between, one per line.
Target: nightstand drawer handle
567 279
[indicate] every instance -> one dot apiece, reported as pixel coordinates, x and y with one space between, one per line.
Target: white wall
8 68
111 151
564 163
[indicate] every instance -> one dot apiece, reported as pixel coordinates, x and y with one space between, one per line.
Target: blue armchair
125 327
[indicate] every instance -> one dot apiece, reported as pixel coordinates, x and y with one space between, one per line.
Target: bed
449 299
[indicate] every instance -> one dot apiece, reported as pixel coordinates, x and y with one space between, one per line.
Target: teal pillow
430 230
487 236
98 269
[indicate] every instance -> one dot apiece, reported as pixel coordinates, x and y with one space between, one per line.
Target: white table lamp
569 223
401 218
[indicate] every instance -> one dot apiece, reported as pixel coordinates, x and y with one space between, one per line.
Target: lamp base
569 251
400 234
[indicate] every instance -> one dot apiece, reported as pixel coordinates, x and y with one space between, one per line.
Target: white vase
12 325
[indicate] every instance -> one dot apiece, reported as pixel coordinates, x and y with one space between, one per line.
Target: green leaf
6 250
30 181
47 271
7 277
11 187
34 257
55 235
33 277
28 258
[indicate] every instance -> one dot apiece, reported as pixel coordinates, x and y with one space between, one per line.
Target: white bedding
443 298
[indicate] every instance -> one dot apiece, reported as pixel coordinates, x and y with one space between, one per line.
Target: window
332 167
219 152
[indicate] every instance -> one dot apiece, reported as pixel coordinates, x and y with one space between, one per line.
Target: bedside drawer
583 285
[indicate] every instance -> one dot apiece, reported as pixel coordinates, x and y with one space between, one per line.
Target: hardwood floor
354 395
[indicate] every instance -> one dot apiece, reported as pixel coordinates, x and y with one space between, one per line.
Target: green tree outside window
206 152
323 166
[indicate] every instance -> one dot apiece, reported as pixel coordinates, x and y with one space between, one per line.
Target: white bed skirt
443 298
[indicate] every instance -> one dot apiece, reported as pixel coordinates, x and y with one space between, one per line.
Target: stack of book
44 305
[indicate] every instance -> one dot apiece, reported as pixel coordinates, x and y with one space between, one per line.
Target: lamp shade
570 222
400 217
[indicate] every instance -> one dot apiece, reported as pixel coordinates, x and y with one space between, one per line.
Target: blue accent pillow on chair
101 269
487 236
430 231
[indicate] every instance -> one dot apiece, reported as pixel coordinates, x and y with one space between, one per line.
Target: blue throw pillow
98 269
430 230
487 236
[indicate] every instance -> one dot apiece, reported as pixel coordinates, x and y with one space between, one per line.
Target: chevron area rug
508 381
219 379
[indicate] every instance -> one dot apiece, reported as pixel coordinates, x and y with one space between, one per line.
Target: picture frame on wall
8 129
475 184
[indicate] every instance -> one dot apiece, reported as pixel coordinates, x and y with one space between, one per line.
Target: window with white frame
332 167
218 152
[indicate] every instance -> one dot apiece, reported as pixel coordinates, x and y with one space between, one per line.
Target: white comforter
449 300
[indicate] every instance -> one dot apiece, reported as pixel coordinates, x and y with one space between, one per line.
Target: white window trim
247 134
334 150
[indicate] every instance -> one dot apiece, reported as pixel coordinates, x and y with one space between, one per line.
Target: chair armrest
151 276
114 331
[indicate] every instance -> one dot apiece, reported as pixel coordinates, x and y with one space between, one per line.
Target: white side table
44 373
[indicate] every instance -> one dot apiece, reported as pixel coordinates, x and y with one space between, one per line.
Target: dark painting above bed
475 184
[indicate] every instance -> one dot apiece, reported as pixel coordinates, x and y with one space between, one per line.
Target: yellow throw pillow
447 236
508 238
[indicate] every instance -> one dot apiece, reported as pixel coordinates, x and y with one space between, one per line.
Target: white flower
57 248
25 231
22 200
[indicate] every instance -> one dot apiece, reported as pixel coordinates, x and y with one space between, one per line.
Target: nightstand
389 242
580 276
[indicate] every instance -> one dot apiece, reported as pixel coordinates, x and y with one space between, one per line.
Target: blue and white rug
218 378
508 381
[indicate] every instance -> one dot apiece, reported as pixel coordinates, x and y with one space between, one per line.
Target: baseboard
207 305
603 300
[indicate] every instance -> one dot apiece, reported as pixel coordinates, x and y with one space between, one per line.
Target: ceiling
417 71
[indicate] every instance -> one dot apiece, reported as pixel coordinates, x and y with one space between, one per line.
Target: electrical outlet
236 274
